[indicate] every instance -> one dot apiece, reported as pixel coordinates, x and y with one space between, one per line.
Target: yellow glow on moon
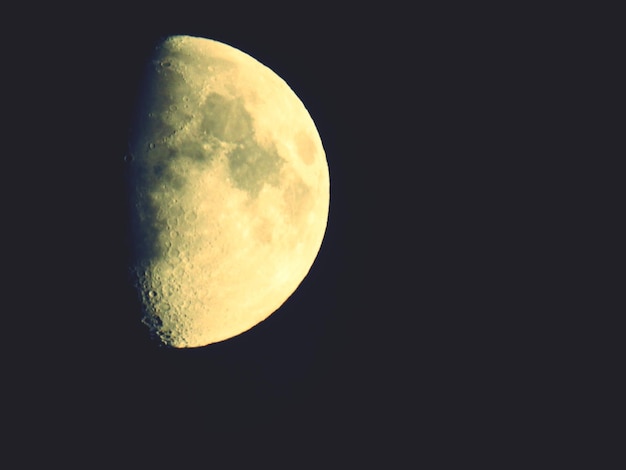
230 192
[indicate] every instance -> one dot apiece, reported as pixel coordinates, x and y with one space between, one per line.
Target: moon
229 192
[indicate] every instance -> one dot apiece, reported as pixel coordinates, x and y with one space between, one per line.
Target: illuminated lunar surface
229 192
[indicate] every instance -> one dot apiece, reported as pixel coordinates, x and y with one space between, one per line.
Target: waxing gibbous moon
229 192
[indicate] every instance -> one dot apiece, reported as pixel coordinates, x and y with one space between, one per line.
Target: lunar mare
229 192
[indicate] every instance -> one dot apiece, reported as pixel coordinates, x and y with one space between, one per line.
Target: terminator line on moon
229 192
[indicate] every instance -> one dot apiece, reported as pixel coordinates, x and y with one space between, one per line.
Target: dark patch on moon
226 119
251 165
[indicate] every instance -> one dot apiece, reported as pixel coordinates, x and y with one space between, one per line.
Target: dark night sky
405 330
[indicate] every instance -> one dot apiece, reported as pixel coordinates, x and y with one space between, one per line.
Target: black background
416 329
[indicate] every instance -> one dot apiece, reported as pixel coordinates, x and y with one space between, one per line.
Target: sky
411 315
